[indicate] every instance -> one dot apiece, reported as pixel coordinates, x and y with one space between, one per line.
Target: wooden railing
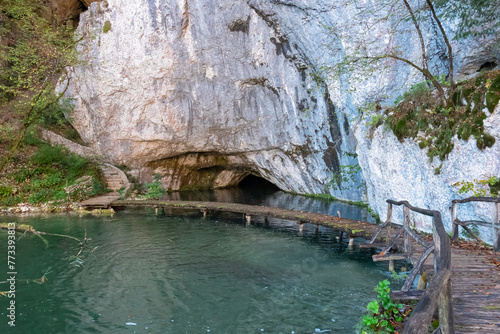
495 224
438 294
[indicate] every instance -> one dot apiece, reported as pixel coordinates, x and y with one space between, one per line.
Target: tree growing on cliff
33 55
373 38
371 42
476 17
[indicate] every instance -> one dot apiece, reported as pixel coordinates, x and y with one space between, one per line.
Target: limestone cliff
205 92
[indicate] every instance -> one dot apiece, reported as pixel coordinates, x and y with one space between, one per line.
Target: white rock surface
206 91
403 172
172 78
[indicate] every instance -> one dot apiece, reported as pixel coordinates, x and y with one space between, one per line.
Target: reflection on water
188 274
261 193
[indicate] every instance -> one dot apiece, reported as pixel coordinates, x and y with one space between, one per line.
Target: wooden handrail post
496 229
406 226
453 219
389 218
445 309
442 263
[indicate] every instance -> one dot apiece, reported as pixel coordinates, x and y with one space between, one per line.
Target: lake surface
182 273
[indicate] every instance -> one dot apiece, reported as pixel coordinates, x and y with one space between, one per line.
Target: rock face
205 92
404 172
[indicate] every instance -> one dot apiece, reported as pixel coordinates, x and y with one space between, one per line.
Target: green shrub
416 113
32 139
155 189
48 180
11 200
41 196
377 120
49 154
466 235
49 171
75 165
489 186
5 191
382 311
98 187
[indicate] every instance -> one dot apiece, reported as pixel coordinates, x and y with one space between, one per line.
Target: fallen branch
30 229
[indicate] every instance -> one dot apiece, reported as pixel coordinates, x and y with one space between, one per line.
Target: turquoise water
183 273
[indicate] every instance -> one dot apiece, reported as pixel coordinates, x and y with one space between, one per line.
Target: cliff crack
185 18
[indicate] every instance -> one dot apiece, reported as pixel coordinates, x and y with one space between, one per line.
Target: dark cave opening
488 66
254 183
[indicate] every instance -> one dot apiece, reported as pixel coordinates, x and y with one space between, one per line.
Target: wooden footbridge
464 288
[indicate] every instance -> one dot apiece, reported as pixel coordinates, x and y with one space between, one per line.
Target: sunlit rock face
205 92
168 85
405 172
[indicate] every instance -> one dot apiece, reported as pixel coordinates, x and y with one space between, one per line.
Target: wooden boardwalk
475 286
475 270
353 228
476 290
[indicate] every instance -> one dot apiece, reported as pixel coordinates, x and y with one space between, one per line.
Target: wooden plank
374 245
468 222
477 199
407 295
389 256
406 226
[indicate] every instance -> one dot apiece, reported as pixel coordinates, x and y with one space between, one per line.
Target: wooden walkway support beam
494 224
439 294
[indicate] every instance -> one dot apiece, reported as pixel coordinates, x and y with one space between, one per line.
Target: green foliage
154 189
43 195
433 126
493 94
474 228
106 27
347 174
383 312
347 177
36 52
477 17
7 132
49 171
5 191
98 186
376 121
399 278
33 56
489 186
121 192
48 154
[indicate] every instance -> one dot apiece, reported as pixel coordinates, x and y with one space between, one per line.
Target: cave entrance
253 183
